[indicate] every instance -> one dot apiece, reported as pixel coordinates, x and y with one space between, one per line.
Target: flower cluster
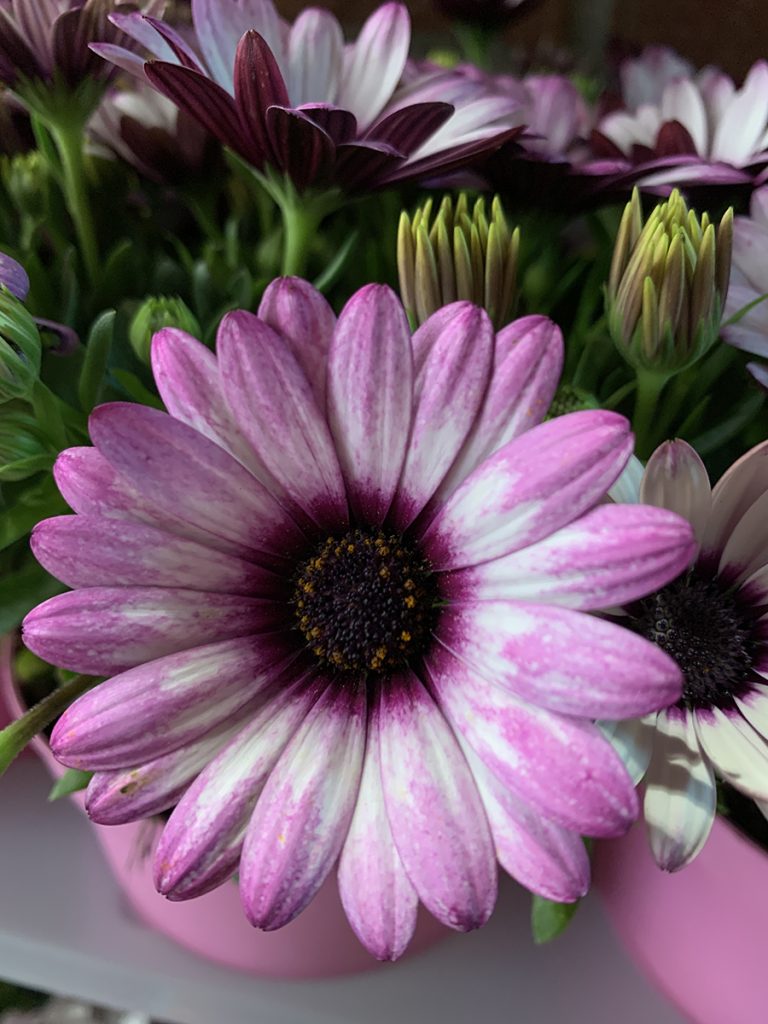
327 579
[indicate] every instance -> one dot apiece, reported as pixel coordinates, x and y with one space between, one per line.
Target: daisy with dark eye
713 620
339 587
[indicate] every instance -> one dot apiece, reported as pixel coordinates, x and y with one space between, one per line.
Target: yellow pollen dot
350 548
381 653
410 601
409 585
405 636
383 572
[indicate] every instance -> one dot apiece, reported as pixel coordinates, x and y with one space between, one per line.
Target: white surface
63 928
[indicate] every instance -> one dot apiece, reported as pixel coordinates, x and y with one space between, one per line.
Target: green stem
16 736
69 143
645 418
300 222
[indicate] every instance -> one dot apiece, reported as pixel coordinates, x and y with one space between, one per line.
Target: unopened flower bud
26 180
668 283
461 254
569 398
155 313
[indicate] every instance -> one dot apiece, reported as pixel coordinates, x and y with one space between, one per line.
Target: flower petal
562 766
735 749
531 487
275 408
130 794
301 148
258 84
680 793
732 496
435 812
449 391
201 843
746 550
374 63
677 479
219 28
528 360
189 477
302 816
166 704
303 317
562 660
103 630
611 555
378 898
546 858
90 551
187 377
633 741
370 388
315 57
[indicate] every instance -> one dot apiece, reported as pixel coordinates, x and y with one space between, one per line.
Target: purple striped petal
187 476
528 360
304 318
124 59
258 84
273 404
187 377
363 165
562 766
434 809
103 630
370 388
562 660
378 899
201 843
88 551
407 129
546 858
130 794
301 148
374 63
609 556
449 391
208 104
302 816
166 704
534 485
145 32
339 124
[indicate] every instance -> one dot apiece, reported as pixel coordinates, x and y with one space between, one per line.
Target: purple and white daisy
713 620
47 40
339 589
296 98
697 130
749 278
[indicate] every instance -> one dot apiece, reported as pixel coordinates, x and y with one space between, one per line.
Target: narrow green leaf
72 781
22 591
95 362
135 390
550 919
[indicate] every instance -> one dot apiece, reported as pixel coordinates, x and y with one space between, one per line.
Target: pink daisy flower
749 278
714 621
339 589
296 98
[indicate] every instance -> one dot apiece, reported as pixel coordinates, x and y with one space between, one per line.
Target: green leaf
133 387
550 919
72 781
95 362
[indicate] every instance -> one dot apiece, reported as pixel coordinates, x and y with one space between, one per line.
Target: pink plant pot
699 934
319 943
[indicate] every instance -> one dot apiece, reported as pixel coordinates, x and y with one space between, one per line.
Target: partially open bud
668 283
24 448
461 254
155 313
20 347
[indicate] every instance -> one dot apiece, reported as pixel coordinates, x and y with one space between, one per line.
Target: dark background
730 33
